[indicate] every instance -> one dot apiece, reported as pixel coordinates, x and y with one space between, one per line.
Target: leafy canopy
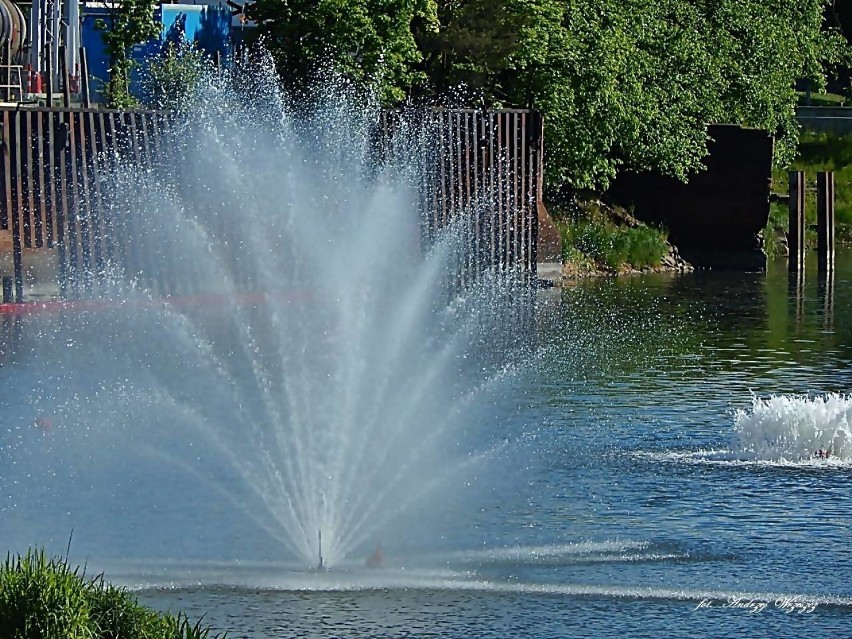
622 83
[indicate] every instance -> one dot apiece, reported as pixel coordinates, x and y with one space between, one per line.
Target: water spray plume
328 372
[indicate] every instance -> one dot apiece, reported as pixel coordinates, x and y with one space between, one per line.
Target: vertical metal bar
524 205
508 150
144 141
63 70
476 192
31 224
442 178
128 221
7 173
8 69
74 217
49 178
117 216
38 180
825 220
84 79
60 142
18 184
796 232
470 222
493 199
104 164
517 198
15 161
84 208
94 150
498 189
537 161
48 88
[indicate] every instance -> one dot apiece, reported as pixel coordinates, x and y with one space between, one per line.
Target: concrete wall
715 218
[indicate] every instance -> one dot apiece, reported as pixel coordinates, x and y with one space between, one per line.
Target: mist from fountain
317 367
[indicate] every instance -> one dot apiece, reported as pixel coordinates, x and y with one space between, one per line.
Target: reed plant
609 244
43 597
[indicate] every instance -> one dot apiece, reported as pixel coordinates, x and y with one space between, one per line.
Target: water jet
340 376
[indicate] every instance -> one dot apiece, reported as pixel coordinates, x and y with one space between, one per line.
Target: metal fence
51 175
486 165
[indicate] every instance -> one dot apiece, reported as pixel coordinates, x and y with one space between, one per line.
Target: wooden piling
825 220
796 233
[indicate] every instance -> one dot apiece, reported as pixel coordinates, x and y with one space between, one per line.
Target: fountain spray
319 534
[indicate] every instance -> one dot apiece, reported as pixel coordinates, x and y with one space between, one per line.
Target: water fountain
316 371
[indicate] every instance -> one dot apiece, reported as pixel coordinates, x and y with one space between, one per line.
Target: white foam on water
726 457
795 427
784 431
550 551
357 579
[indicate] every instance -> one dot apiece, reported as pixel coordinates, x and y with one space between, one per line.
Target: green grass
44 598
818 152
823 99
592 235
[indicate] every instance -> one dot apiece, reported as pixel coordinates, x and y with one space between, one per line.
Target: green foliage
44 598
466 46
633 84
129 22
821 99
623 84
173 77
817 152
609 244
369 41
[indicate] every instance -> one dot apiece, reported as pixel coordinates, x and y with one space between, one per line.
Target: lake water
627 506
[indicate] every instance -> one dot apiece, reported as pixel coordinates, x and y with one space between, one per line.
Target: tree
467 45
623 84
129 22
368 41
633 83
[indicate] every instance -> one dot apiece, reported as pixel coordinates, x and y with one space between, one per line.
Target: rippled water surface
648 491
639 513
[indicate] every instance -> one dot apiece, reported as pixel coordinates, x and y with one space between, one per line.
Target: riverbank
602 240
816 152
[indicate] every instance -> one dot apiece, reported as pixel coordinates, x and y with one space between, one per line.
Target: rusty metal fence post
796 233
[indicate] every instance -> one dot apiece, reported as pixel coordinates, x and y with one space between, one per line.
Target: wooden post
825 220
796 234
84 79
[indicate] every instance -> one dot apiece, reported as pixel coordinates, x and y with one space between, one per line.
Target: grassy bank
817 152
44 598
597 237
